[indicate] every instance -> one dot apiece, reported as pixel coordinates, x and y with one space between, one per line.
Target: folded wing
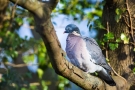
96 53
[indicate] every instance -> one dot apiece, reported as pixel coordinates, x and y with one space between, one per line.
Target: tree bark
3 6
123 58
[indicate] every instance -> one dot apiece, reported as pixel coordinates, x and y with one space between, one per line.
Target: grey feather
96 53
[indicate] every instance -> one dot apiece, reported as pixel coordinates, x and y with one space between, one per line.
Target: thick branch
51 3
32 5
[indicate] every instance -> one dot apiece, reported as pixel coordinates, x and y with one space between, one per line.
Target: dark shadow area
122 56
132 87
132 66
133 59
125 75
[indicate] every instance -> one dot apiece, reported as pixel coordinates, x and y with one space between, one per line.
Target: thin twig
126 21
130 21
107 42
12 15
34 84
117 73
133 28
19 65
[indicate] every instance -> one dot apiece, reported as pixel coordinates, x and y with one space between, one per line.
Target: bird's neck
75 33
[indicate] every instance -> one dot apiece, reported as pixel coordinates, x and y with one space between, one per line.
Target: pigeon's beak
64 32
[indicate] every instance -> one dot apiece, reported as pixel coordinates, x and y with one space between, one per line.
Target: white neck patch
75 33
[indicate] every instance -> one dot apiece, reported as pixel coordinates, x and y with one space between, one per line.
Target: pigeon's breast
73 43
73 49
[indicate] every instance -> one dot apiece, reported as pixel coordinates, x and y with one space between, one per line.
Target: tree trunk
122 59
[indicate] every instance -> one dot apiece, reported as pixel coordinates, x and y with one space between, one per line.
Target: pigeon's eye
69 28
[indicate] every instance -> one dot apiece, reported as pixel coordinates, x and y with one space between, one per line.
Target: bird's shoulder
90 40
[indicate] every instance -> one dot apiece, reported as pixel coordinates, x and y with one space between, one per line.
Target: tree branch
51 3
33 6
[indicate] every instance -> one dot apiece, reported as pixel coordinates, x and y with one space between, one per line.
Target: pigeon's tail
104 75
111 82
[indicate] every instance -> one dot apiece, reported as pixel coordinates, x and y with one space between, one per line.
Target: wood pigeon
85 53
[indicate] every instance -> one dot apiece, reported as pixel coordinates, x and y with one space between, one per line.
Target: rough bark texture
3 6
123 58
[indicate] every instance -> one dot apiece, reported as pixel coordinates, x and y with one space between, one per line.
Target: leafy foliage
12 81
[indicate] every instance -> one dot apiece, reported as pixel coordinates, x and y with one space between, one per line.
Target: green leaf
118 11
23 89
113 46
29 75
118 14
107 59
118 40
61 85
124 38
19 20
134 49
98 24
44 84
40 73
134 70
117 18
108 36
96 73
28 58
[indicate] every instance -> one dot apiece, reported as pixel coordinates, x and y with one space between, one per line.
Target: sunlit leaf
40 73
61 85
124 38
107 59
28 58
134 70
134 49
118 11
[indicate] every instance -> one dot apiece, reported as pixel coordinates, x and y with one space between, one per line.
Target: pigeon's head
71 28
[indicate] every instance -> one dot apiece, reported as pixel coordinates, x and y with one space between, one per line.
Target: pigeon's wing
96 53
